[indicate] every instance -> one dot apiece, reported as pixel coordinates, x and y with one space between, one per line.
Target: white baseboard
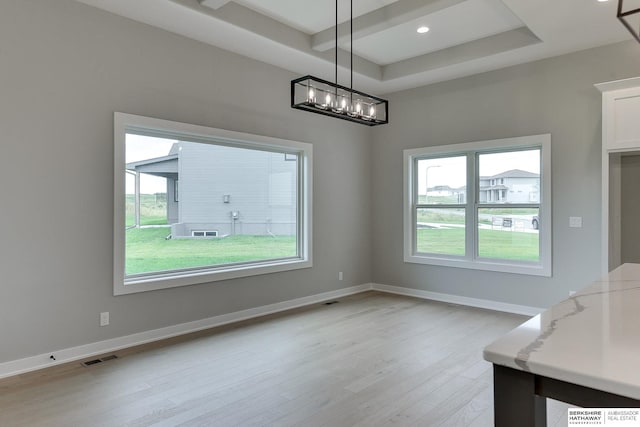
457 299
33 363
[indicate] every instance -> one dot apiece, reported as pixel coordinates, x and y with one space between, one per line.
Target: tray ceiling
465 37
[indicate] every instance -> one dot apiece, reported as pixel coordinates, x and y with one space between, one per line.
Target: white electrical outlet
340 275
104 318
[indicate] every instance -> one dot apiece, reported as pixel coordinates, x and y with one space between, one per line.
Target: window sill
177 279
502 266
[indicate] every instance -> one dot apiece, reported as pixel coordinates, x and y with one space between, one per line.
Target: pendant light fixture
320 96
624 16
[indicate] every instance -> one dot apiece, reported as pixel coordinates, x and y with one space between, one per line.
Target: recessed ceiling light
423 29
602 1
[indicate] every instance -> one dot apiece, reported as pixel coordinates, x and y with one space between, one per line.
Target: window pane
440 231
442 180
204 205
510 177
509 233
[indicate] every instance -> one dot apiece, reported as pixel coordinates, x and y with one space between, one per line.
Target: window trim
541 268
128 123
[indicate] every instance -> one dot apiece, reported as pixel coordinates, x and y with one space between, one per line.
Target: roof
134 165
513 173
495 187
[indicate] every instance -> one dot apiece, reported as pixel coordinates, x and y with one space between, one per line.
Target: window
203 233
483 205
196 204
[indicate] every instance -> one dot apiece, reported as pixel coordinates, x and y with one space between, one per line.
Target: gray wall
550 96
64 69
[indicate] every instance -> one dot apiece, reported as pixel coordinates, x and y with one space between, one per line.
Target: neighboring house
457 195
441 190
214 190
512 186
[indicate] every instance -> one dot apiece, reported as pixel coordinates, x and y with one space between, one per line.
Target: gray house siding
226 190
523 190
261 190
513 186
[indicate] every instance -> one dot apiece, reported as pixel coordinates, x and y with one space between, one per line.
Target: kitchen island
584 351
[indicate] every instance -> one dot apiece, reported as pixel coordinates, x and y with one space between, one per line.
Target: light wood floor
370 360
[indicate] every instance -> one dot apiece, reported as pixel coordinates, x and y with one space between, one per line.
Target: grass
509 211
147 250
457 216
441 216
443 200
153 209
511 245
449 241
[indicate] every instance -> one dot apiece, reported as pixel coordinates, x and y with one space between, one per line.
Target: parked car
535 222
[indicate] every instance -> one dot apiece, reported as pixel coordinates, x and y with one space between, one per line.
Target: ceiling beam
214 4
378 20
266 28
466 52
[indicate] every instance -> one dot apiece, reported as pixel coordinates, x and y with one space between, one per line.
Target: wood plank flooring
372 359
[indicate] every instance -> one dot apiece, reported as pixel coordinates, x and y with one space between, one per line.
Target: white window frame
470 260
129 123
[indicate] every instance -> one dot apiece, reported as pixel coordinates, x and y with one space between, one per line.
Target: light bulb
372 110
358 108
343 104
327 99
311 94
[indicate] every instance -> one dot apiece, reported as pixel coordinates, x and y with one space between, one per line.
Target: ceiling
465 37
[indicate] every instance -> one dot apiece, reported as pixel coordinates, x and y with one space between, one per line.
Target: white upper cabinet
620 115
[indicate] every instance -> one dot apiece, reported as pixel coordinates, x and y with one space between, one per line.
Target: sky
451 171
140 147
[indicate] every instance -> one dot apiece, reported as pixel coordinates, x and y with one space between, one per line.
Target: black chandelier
623 17
320 96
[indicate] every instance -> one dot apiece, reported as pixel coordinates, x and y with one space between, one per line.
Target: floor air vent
100 360
107 358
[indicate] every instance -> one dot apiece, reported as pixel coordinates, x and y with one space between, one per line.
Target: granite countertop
591 339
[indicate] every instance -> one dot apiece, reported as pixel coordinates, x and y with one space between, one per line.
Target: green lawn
457 216
153 209
512 245
449 241
441 216
443 200
509 211
147 250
